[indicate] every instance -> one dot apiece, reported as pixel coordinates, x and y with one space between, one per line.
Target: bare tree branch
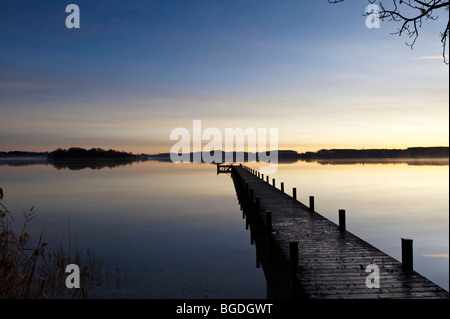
410 22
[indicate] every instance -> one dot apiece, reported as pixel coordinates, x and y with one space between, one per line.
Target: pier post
293 265
407 254
273 182
311 203
342 222
282 187
269 221
294 193
262 176
269 235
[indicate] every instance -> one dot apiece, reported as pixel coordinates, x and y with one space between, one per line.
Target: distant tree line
285 156
289 156
95 154
412 152
12 154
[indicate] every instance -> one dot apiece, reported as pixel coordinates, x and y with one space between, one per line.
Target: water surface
176 231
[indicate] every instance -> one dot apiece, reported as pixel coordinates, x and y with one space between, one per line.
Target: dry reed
33 268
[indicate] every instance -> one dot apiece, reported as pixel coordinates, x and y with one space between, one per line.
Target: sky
136 70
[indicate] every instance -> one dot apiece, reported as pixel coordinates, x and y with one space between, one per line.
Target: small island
76 158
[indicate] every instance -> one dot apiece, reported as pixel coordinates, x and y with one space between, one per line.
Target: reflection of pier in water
305 255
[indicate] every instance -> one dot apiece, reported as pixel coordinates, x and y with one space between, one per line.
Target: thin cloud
437 255
434 56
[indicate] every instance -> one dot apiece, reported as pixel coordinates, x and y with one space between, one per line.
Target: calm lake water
176 230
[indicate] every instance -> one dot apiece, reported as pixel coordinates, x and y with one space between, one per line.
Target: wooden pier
224 168
309 256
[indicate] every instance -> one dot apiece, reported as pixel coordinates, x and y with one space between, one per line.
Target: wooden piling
342 222
311 203
407 253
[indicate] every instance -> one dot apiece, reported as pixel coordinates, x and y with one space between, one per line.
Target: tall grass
33 268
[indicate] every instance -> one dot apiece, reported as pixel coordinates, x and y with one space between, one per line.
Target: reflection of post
258 262
270 294
245 207
257 205
293 265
